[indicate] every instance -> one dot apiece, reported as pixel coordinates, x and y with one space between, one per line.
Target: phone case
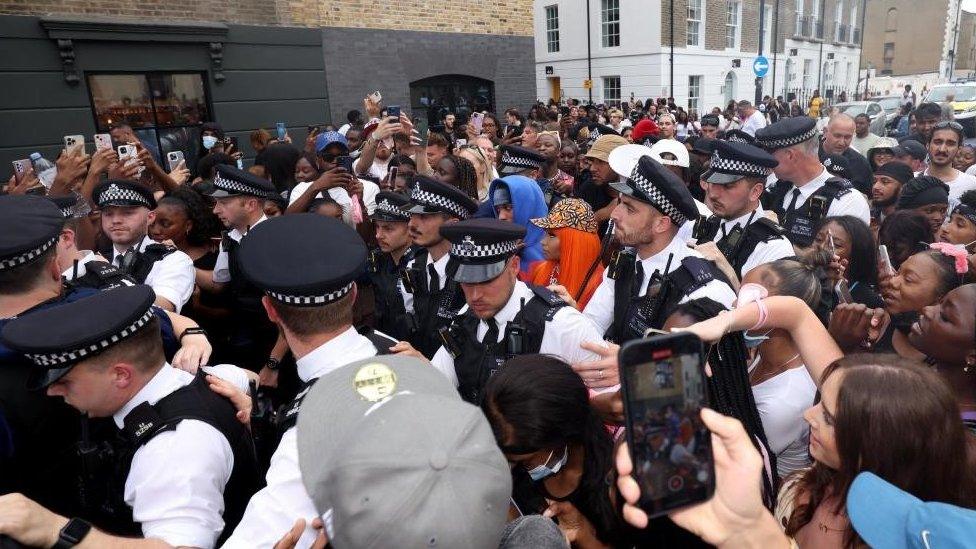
103 141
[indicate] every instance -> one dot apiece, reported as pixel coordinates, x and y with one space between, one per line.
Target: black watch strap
193 331
72 533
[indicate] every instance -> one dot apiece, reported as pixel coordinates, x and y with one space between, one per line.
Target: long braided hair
729 390
467 176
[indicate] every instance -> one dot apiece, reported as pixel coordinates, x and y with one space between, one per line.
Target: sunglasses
948 124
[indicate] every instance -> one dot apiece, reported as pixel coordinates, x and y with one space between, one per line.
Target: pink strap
355 210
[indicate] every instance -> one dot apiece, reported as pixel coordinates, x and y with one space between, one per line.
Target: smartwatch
72 533
272 364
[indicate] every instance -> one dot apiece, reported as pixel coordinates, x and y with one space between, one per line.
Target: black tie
435 279
635 288
491 336
792 206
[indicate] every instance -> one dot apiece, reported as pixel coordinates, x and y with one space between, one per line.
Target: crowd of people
384 337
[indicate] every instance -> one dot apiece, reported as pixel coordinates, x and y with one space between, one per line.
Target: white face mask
209 141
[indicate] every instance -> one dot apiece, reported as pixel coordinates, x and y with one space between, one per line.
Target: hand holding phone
103 141
282 130
885 260
393 111
174 158
663 384
477 119
73 143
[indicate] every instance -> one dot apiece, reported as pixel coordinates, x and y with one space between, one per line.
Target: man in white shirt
863 140
310 290
800 206
733 185
946 138
126 215
653 204
186 465
752 119
498 305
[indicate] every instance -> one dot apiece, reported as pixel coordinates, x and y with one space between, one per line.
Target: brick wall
500 17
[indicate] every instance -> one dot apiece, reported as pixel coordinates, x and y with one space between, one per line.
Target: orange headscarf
577 251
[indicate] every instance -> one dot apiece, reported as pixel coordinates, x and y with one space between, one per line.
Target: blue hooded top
527 203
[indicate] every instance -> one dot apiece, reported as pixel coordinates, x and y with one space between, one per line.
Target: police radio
729 244
515 334
818 207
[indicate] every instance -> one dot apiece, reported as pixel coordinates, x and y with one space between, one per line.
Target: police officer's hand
563 294
406 349
290 539
242 401
28 522
194 352
601 373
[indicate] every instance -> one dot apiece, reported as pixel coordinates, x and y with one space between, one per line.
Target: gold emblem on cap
375 381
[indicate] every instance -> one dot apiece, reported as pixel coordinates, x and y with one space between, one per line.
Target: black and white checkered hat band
421 196
788 141
467 249
736 138
114 193
235 187
509 159
312 300
737 167
388 208
63 358
657 198
28 256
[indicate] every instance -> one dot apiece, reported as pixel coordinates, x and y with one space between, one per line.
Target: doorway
555 90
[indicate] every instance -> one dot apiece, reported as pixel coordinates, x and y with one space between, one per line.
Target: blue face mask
753 341
209 141
540 472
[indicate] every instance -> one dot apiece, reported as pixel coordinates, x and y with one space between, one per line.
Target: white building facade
715 45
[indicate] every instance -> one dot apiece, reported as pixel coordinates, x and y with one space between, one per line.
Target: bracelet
763 314
193 330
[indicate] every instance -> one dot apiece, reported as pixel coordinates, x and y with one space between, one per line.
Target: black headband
966 211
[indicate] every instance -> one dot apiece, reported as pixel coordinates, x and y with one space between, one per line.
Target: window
732 24
855 30
815 17
164 109
462 95
694 22
552 29
768 42
889 54
838 19
611 90
799 18
807 76
610 22
891 20
729 90
694 92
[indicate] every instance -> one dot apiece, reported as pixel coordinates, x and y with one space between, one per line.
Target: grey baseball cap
392 457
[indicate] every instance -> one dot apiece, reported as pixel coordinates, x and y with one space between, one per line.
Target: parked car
890 103
872 108
963 103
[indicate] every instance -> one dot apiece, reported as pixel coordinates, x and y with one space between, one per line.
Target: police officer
504 317
239 203
515 160
388 262
82 268
657 270
309 286
104 356
734 183
126 214
805 192
436 295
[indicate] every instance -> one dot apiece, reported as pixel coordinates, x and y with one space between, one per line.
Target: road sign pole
762 30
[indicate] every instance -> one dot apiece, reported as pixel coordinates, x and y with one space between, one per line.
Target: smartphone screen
393 111
833 247
346 162
281 130
663 384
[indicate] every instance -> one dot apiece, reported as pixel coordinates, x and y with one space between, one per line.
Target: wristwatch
72 533
272 364
193 330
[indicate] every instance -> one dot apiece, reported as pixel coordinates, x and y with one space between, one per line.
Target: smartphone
376 96
103 141
20 168
885 260
174 158
393 111
391 177
460 143
844 291
72 141
127 153
282 130
346 162
477 119
830 242
663 384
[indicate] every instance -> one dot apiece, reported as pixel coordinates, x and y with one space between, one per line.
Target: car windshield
853 109
889 103
961 93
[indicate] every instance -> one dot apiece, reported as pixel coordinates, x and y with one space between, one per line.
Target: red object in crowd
644 129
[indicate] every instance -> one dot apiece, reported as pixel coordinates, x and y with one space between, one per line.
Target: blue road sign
760 66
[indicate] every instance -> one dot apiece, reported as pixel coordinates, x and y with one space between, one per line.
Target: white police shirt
221 272
172 277
600 307
562 336
440 267
852 203
175 485
273 510
765 252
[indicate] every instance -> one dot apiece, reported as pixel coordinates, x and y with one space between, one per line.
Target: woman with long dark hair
854 245
279 161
